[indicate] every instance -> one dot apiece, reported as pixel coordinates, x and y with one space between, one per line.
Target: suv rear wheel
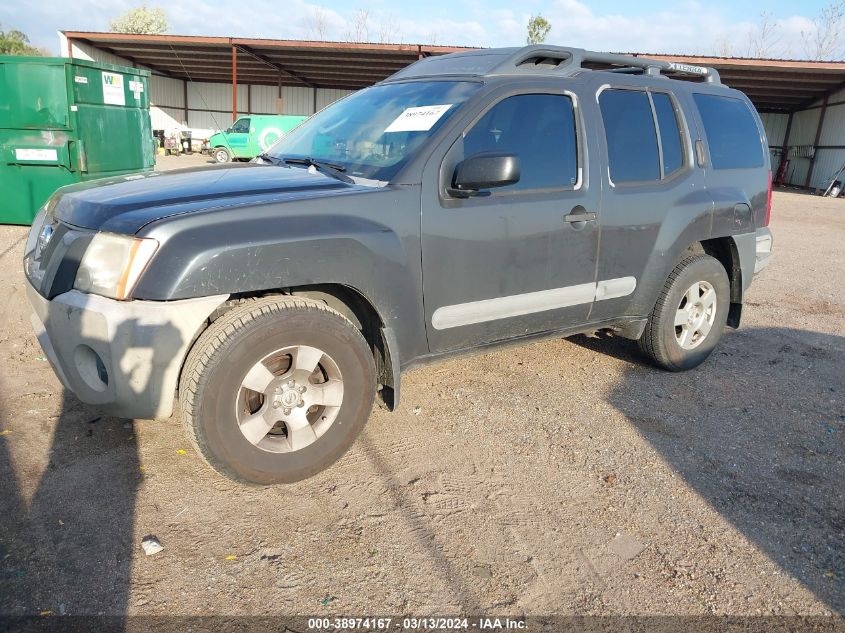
689 316
276 390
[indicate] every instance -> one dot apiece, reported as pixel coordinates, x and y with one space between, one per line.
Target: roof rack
542 59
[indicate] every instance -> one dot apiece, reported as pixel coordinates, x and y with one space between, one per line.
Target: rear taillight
769 200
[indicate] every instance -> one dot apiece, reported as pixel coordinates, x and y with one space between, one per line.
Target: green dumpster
67 120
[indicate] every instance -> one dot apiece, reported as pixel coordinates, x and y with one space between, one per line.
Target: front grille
54 251
39 240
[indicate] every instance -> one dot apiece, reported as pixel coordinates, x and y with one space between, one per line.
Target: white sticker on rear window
419 119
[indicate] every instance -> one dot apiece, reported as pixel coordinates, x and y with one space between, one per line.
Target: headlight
112 264
35 232
33 248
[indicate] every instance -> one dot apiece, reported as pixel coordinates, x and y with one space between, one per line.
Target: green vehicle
251 135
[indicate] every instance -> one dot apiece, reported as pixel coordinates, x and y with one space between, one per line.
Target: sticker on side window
419 119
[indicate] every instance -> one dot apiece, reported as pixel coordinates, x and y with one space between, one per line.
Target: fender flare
393 356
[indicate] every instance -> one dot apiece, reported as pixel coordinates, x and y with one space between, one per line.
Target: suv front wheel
689 316
276 390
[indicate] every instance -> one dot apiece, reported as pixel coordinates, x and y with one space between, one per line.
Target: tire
687 345
221 155
227 422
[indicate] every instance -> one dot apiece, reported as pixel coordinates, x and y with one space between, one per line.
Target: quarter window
670 133
540 130
632 149
732 134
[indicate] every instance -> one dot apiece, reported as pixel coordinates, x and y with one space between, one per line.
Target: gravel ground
166 163
562 477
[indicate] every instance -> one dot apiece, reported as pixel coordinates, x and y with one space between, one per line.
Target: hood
125 204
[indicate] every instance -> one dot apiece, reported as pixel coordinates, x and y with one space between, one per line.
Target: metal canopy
773 85
345 65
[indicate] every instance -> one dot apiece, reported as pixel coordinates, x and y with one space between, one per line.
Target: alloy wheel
695 315
289 398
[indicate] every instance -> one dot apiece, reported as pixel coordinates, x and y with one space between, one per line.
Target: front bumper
123 357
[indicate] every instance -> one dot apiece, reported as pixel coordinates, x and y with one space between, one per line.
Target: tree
764 38
141 20
825 40
359 26
724 47
389 31
318 24
538 29
17 43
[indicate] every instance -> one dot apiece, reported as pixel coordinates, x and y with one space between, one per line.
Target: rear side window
540 130
631 137
732 134
670 132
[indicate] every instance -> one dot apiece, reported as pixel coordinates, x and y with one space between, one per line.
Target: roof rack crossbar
573 59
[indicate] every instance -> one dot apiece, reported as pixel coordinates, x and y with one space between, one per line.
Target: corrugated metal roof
774 85
348 65
763 60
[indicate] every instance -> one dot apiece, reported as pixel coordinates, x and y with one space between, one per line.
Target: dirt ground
562 477
166 163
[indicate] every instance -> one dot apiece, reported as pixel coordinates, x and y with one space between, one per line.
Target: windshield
241 126
373 132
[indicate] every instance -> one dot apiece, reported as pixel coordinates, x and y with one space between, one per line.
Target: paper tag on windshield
418 119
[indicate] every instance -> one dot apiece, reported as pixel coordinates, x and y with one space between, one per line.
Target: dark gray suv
468 200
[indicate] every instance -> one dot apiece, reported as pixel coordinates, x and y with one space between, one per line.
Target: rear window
732 134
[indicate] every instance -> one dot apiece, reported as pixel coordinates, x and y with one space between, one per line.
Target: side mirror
228 130
484 171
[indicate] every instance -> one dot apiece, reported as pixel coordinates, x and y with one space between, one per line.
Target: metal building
207 81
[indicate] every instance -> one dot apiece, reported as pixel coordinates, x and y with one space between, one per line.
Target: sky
685 26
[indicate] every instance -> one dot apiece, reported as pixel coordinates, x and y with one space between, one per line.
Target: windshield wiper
273 160
330 169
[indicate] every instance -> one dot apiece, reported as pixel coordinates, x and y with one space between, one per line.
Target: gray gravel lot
560 477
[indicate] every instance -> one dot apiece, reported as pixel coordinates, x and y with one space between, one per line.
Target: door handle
699 153
574 218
